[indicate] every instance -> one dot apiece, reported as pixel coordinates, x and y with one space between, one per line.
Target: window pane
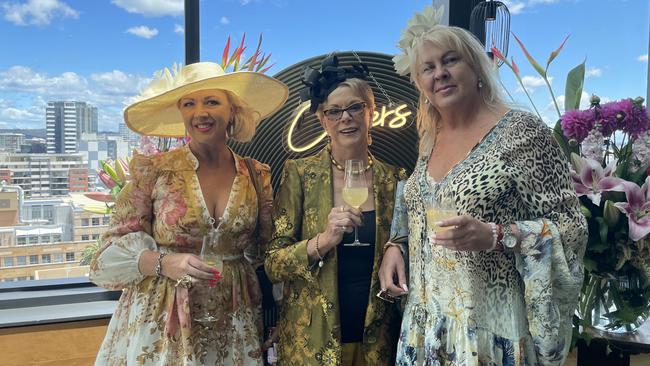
106 220
33 259
21 240
85 237
95 236
45 258
69 257
58 257
21 260
8 261
33 240
85 222
95 221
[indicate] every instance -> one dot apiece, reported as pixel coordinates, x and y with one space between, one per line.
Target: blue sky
104 51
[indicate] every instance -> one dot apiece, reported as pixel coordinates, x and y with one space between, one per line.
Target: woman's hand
341 219
177 265
392 276
466 233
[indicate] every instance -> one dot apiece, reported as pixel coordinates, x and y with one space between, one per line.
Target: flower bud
594 100
611 213
585 211
638 101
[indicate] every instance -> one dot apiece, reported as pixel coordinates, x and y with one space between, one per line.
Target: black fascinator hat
319 84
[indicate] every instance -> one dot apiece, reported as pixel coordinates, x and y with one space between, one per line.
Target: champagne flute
438 210
204 295
355 191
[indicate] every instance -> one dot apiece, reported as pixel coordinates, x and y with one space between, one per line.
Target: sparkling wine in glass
439 209
355 191
203 295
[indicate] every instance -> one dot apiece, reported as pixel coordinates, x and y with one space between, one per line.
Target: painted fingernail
438 223
404 287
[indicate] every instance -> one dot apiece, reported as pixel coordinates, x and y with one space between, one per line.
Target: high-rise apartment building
45 175
11 142
65 122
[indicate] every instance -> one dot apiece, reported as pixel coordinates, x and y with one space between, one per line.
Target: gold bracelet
391 244
320 258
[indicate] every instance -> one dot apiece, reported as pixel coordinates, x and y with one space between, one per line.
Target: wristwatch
509 240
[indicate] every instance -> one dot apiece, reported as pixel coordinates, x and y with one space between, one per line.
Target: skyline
103 52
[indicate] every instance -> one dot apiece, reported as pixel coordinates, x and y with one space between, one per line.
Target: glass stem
356 235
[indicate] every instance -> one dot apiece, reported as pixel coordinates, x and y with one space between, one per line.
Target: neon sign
390 118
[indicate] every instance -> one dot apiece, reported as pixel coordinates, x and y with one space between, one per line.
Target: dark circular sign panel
291 135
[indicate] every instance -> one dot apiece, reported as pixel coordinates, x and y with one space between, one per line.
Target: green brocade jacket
309 321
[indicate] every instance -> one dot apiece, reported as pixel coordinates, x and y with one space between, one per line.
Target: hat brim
159 115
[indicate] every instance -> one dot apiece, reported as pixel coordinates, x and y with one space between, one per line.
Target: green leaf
573 90
603 229
639 176
590 265
561 139
599 247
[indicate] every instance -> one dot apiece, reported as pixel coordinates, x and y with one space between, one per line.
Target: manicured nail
438 223
404 287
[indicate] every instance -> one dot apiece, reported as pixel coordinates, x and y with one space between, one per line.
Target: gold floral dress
162 209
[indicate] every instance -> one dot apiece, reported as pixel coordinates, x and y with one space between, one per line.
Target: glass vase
613 304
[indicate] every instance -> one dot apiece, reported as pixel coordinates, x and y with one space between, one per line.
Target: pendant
320 263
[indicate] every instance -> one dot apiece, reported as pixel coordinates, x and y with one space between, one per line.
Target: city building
11 142
97 147
49 241
45 175
34 145
65 122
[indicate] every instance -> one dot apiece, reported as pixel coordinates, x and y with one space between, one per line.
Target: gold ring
185 281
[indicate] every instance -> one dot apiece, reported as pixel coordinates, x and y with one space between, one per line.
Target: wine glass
204 295
439 209
355 191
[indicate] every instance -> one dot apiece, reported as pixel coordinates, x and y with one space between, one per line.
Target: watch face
510 241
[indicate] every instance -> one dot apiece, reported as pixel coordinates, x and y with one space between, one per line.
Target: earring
369 139
426 101
480 83
230 130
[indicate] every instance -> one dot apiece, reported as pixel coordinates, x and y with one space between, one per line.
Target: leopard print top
495 308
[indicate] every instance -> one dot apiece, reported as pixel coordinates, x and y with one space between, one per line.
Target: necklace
341 168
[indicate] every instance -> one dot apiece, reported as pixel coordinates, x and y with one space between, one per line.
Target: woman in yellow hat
175 201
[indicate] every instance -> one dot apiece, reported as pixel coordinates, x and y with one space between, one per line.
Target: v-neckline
465 158
211 221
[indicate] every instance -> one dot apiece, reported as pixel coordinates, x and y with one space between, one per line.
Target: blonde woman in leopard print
499 286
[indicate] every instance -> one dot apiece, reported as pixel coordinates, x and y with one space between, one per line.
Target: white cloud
37 12
224 21
143 31
593 71
179 29
532 82
514 7
25 93
152 8
643 58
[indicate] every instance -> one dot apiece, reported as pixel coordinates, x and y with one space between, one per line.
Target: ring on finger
186 281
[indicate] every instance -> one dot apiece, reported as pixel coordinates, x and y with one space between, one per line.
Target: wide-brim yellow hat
155 112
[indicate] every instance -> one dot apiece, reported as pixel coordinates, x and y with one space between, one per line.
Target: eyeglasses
334 114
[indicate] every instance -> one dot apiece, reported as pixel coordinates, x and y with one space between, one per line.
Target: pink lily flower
637 207
590 179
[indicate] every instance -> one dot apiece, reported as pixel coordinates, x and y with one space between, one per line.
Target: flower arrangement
609 148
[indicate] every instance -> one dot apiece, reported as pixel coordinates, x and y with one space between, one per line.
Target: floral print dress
495 308
162 209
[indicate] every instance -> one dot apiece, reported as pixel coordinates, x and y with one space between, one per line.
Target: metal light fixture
490 23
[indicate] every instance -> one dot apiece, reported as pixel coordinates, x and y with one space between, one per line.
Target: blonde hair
472 52
244 118
359 87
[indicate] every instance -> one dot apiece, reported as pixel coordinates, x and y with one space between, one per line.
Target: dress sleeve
255 252
552 244
115 265
286 258
399 229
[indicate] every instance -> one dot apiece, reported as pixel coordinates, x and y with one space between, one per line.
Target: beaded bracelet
158 268
495 236
320 258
